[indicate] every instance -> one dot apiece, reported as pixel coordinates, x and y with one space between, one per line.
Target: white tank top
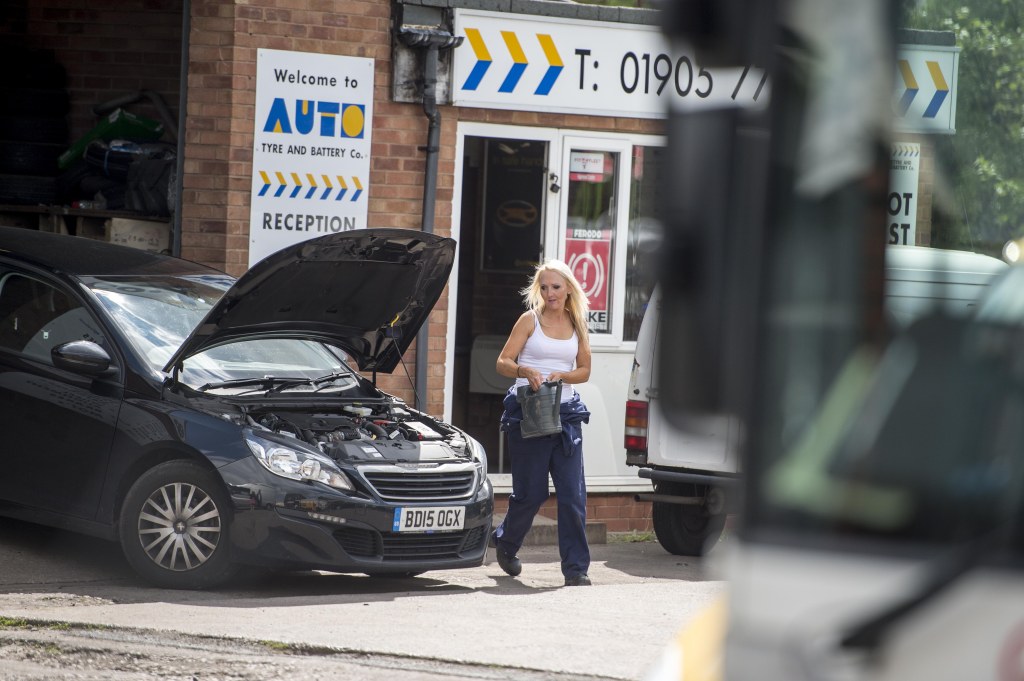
548 355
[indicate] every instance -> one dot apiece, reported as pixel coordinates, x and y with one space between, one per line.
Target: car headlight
296 462
479 457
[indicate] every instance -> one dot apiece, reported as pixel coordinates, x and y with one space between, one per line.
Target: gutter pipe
432 41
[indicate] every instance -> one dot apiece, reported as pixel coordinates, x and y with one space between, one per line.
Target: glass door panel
644 234
591 222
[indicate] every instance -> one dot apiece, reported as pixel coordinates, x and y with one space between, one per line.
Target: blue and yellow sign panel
311 148
925 96
532 63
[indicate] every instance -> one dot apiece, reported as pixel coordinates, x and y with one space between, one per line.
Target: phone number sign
571 66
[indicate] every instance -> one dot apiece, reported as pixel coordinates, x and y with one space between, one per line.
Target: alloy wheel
179 526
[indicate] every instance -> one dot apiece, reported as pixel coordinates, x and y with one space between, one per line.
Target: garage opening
504 189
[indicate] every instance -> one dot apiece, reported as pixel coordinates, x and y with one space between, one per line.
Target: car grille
396 484
395 547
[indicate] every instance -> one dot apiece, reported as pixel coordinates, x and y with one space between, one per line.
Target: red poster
590 262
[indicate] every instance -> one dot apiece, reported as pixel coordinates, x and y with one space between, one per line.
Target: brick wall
618 512
925 191
107 47
224 41
111 47
222 82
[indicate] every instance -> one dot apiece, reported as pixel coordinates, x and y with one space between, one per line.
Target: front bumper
287 524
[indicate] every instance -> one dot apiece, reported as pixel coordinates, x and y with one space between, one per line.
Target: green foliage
276 645
633 537
985 158
13 623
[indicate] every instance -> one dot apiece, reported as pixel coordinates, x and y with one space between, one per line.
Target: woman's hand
533 376
557 376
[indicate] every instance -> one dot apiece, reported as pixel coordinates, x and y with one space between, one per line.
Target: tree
986 155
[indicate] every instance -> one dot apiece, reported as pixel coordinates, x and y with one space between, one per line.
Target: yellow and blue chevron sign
520 62
292 185
568 65
925 96
910 93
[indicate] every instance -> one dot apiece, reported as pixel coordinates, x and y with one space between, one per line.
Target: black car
207 423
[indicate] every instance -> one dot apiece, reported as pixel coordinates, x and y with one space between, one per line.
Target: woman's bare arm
508 364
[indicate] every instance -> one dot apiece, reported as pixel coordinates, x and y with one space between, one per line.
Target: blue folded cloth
574 414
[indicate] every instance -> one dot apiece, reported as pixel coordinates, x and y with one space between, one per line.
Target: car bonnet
367 291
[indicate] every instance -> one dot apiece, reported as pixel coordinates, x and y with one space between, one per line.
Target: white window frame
560 141
616 284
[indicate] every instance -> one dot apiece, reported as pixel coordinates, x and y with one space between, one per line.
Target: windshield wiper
266 382
312 382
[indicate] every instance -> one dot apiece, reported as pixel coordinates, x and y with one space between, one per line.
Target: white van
919 279
695 472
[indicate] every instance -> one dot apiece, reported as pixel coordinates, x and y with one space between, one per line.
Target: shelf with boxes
119 227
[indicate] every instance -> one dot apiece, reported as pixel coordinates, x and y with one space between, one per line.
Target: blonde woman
548 343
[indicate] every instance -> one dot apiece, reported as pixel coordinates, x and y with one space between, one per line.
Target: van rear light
636 425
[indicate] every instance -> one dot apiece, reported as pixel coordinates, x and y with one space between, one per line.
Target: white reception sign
311 148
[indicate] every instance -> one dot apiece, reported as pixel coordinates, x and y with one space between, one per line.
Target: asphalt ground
616 629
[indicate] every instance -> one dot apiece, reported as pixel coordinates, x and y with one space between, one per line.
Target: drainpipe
179 167
432 40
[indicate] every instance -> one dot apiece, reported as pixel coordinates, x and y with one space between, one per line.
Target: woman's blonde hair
575 300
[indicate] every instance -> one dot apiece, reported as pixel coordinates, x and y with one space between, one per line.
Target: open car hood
366 291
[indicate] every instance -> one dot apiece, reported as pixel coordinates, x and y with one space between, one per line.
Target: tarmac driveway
641 597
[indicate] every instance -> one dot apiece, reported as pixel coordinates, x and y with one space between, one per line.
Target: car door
58 425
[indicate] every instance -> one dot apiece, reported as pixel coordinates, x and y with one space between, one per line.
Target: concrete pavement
615 629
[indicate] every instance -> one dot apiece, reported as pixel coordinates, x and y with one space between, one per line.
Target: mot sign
904 173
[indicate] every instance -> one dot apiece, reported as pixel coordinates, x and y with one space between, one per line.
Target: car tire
175 527
685 529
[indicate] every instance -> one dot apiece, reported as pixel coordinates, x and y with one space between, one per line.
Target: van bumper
692 478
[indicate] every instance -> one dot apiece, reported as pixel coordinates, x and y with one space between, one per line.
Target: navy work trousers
532 461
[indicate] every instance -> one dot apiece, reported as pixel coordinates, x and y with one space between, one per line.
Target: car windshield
157 313
1003 303
887 436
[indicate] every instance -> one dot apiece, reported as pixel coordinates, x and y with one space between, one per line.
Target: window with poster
612 229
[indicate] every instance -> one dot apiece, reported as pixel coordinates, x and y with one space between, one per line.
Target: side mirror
81 357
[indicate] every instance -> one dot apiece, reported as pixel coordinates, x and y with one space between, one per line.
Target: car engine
381 432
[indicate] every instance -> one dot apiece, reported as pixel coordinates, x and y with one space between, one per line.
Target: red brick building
548 142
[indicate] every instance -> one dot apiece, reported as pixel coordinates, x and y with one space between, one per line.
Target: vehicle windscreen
885 406
156 314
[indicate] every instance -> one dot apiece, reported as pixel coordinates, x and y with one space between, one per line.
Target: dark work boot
509 563
578 580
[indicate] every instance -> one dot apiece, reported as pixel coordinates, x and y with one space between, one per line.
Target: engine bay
362 433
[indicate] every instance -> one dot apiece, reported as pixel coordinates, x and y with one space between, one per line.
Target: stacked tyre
34 104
